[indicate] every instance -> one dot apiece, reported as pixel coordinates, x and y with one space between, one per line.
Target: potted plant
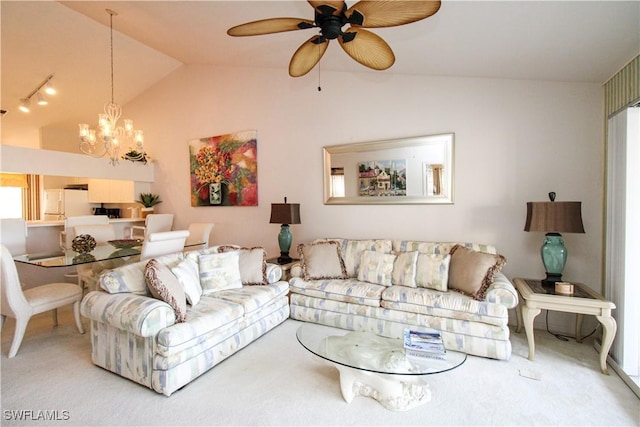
148 200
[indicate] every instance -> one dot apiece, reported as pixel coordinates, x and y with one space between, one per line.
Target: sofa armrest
502 291
137 314
274 273
296 270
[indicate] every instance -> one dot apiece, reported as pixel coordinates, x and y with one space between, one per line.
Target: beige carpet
275 381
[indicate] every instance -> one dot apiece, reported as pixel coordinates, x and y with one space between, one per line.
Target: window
11 206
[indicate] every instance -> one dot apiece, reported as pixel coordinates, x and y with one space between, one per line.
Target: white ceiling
538 40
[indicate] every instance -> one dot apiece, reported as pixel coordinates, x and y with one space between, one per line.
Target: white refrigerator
62 203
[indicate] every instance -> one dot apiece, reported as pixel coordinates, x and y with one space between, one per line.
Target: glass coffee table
375 366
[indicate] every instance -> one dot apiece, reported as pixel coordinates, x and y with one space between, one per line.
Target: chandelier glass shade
110 137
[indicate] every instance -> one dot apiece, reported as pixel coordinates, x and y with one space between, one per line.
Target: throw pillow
432 271
404 269
322 260
253 264
219 272
189 277
166 287
472 272
376 267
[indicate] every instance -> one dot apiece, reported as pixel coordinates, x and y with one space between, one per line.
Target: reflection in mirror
416 170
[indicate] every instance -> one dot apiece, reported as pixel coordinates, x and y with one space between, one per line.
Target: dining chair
23 304
13 235
199 232
163 243
153 223
68 234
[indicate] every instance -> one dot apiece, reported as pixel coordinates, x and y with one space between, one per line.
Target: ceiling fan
362 45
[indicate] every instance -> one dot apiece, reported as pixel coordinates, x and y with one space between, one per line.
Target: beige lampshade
554 217
285 213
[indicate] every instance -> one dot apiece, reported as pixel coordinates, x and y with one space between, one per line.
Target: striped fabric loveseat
147 340
384 286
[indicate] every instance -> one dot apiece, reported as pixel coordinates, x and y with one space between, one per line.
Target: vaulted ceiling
539 40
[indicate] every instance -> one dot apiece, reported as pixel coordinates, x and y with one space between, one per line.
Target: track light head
25 105
41 99
49 89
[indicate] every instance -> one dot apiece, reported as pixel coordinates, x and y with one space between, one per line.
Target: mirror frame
445 140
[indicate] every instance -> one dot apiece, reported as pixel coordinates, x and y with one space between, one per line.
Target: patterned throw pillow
471 272
253 264
219 272
376 267
404 269
322 260
432 271
166 287
189 277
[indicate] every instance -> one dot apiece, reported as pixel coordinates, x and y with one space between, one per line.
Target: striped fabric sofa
140 337
384 286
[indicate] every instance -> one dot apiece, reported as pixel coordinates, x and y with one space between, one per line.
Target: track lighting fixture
25 103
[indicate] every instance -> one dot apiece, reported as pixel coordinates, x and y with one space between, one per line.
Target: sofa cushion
253 298
432 271
376 267
253 264
404 269
448 305
219 271
347 290
321 260
130 277
437 247
210 314
189 276
166 287
352 252
472 272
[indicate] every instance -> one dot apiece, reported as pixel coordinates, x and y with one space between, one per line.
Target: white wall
515 142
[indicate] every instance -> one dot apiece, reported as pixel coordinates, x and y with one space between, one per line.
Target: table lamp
285 214
554 218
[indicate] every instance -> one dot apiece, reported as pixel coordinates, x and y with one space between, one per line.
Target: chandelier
112 137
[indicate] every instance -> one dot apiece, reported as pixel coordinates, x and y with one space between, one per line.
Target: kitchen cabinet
116 191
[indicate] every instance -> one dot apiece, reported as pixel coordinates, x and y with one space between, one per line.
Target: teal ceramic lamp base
554 257
284 241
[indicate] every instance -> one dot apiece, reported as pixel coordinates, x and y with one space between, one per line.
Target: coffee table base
394 392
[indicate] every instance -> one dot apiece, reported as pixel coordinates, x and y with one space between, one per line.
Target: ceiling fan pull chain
319 88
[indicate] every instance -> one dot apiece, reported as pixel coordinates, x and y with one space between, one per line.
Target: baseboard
622 374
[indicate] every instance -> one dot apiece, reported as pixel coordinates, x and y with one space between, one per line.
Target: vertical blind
622 89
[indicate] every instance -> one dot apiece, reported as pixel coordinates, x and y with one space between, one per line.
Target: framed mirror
417 170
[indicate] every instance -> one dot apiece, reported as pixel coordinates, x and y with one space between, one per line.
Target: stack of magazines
424 345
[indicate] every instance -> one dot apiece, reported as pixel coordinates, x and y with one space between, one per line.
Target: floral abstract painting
224 170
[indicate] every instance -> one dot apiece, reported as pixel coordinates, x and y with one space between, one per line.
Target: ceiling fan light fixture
330 16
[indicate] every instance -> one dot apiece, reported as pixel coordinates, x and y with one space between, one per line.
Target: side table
286 267
534 297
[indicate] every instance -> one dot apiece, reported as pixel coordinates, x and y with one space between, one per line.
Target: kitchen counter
61 222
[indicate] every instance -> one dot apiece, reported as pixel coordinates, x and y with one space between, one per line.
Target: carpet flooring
275 382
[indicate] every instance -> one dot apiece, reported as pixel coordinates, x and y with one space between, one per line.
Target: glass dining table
69 257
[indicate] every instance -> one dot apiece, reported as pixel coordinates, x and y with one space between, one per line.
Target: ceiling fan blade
367 48
390 13
307 56
270 26
337 5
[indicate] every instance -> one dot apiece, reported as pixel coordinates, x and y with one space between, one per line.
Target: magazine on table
424 344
